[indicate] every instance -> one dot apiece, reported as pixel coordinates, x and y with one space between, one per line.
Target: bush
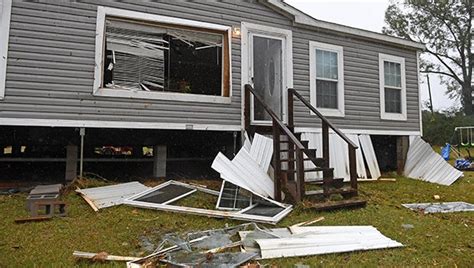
438 128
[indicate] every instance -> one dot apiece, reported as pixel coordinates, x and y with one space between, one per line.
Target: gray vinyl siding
50 68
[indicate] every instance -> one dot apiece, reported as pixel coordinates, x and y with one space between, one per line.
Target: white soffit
305 19
369 154
425 164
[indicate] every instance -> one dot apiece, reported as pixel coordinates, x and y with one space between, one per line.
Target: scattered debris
46 189
249 169
32 219
42 193
436 197
334 205
408 226
101 256
370 156
308 222
425 164
112 195
203 248
306 241
387 179
50 208
446 207
161 197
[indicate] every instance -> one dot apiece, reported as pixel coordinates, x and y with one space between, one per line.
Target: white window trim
102 12
4 37
340 111
392 116
287 35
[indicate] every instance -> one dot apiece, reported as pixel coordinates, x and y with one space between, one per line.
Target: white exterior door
267 66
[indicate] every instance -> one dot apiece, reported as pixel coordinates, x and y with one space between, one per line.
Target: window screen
392 87
326 79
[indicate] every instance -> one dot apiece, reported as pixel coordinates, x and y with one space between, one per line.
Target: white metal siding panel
338 156
307 241
370 157
112 195
425 164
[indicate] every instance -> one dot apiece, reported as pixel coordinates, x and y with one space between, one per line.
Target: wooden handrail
322 117
275 118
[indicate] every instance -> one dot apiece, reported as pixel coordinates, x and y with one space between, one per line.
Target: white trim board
114 124
97 90
420 101
364 131
6 6
313 46
302 18
403 90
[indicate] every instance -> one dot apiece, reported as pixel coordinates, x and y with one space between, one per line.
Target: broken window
153 57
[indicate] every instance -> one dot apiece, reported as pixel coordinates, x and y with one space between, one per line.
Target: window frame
339 50
403 98
103 12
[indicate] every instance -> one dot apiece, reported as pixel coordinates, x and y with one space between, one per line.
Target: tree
444 26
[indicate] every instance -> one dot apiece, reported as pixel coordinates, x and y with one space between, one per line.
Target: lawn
437 239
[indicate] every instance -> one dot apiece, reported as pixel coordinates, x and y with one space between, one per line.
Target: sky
368 15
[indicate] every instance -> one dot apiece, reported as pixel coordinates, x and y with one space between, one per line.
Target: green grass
437 239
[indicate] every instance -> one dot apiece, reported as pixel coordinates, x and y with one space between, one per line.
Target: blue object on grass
445 151
462 163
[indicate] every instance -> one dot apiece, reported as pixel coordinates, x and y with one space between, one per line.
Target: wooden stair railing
278 129
298 152
326 125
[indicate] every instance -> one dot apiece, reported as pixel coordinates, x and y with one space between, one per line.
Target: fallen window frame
236 215
226 31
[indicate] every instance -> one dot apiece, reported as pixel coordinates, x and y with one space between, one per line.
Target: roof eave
304 19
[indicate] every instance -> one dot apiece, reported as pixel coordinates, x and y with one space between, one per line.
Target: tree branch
441 73
454 75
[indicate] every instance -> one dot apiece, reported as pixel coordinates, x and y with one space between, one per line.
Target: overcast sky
369 15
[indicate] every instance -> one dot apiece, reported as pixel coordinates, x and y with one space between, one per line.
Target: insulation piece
445 207
425 164
112 195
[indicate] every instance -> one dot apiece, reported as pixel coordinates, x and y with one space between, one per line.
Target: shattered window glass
162 58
